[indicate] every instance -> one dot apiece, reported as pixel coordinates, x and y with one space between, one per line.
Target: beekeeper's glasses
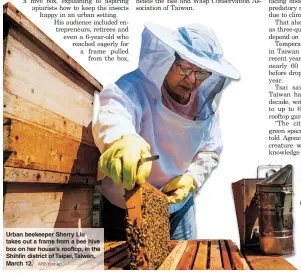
200 75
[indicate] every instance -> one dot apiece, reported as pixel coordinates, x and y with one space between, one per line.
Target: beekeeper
166 107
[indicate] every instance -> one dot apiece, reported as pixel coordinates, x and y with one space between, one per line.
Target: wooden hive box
50 159
199 255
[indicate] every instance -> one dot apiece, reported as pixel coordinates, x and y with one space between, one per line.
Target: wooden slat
225 256
173 243
120 265
28 74
215 256
267 262
47 205
112 244
11 12
133 201
107 244
235 256
242 258
22 175
174 257
35 148
112 260
187 259
114 250
18 108
200 262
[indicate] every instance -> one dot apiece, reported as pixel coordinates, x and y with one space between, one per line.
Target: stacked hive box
50 159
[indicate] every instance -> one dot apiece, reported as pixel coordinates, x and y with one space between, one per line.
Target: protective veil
133 105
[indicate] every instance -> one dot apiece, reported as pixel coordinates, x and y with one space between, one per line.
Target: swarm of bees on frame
149 245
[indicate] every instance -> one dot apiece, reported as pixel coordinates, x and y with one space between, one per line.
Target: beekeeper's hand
120 161
178 188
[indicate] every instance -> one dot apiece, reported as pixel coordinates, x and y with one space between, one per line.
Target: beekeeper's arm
200 168
207 156
115 123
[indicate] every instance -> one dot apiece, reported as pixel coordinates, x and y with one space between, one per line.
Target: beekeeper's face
184 77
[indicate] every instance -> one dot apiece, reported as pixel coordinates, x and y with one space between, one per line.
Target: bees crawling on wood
148 245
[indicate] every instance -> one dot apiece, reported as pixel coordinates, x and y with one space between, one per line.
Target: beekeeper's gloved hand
178 188
120 161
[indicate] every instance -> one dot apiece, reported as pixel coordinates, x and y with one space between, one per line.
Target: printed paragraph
284 77
53 248
99 29
184 5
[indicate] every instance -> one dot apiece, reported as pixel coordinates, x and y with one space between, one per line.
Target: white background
242 30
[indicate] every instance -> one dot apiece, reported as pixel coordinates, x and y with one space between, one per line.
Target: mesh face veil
160 50
208 93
